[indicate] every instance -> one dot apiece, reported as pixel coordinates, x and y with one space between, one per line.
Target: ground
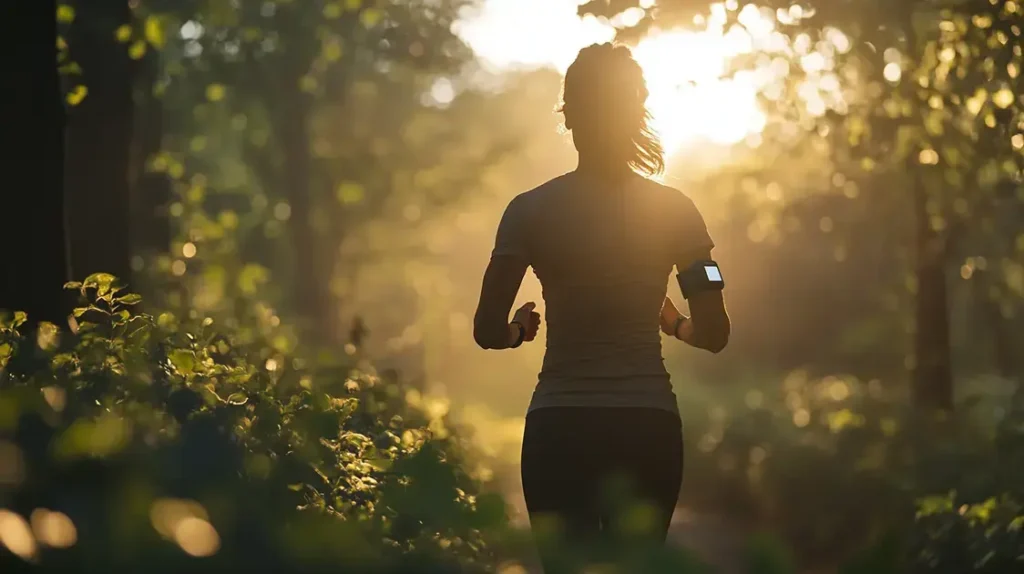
717 542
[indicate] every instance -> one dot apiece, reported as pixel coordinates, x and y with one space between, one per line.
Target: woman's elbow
716 338
485 338
717 344
481 340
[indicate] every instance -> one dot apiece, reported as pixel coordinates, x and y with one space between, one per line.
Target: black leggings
583 467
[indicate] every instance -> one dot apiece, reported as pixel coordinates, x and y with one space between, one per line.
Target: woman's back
603 254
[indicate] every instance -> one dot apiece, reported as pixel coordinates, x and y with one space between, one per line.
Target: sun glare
693 98
690 101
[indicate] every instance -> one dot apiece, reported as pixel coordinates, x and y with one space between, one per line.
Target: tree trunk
312 272
33 268
99 139
1006 358
932 376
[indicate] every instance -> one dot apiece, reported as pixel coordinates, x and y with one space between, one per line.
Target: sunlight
690 100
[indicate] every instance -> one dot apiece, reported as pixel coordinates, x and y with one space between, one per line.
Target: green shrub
139 441
835 467
985 537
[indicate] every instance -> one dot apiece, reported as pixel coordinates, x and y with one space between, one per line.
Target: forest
244 243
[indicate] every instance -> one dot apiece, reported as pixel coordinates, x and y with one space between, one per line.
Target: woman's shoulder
549 187
538 193
672 198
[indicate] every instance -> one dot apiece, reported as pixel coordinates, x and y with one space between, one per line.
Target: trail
715 541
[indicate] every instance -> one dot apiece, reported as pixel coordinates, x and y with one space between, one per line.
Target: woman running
602 240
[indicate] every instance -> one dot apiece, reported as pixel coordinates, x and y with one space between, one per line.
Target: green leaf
76 95
137 50
215 92
155 32
65 14
102 282
183 360
123 33
251 277
371 17
381 464
129 299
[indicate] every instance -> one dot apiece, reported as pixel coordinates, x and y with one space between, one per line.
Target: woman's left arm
504 275
491 327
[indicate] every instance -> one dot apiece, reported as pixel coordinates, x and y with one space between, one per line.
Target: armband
699 277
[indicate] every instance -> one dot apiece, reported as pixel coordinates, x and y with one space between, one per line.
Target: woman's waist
599 361
635 383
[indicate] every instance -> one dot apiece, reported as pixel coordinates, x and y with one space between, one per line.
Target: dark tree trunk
932 376
1008 361
99 139
33 267
312 260
312 271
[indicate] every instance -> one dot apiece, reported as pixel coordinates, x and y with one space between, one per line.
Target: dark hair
606 86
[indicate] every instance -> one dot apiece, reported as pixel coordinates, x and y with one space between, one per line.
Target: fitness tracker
522 335
699 277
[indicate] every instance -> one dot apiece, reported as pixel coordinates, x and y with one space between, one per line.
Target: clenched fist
529 319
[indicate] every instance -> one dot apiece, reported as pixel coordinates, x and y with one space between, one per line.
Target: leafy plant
151 440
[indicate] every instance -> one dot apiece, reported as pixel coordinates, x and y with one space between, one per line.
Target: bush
140 443
837 468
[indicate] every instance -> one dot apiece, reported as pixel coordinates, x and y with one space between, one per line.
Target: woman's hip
603 440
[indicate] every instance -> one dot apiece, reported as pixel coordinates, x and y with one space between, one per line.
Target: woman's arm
504 275
491 327
676 324
709 326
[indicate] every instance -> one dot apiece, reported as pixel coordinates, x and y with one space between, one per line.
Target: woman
602 240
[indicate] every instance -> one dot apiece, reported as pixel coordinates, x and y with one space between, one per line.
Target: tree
99 139
33 268
301 109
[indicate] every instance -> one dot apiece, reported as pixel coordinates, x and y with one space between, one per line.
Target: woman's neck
600 169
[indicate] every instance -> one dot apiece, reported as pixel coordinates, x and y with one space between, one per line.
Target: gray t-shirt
603 256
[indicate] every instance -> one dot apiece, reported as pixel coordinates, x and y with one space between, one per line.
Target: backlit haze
690 101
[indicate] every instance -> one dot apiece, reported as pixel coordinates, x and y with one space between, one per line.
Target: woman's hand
675 324
528 318
669 317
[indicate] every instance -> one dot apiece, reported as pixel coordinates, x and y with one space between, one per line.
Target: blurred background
329 174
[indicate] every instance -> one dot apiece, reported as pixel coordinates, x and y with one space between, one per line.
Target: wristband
679 323
522 335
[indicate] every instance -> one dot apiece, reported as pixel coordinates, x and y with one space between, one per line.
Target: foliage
986 536
290 126
149 440
837 468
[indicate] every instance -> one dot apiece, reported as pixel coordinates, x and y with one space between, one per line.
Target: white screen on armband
713 273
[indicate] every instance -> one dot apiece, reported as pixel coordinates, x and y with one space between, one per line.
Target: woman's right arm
708 326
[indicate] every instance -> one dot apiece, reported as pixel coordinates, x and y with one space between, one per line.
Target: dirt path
716 542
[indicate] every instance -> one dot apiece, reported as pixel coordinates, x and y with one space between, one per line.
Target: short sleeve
511 239
690 231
